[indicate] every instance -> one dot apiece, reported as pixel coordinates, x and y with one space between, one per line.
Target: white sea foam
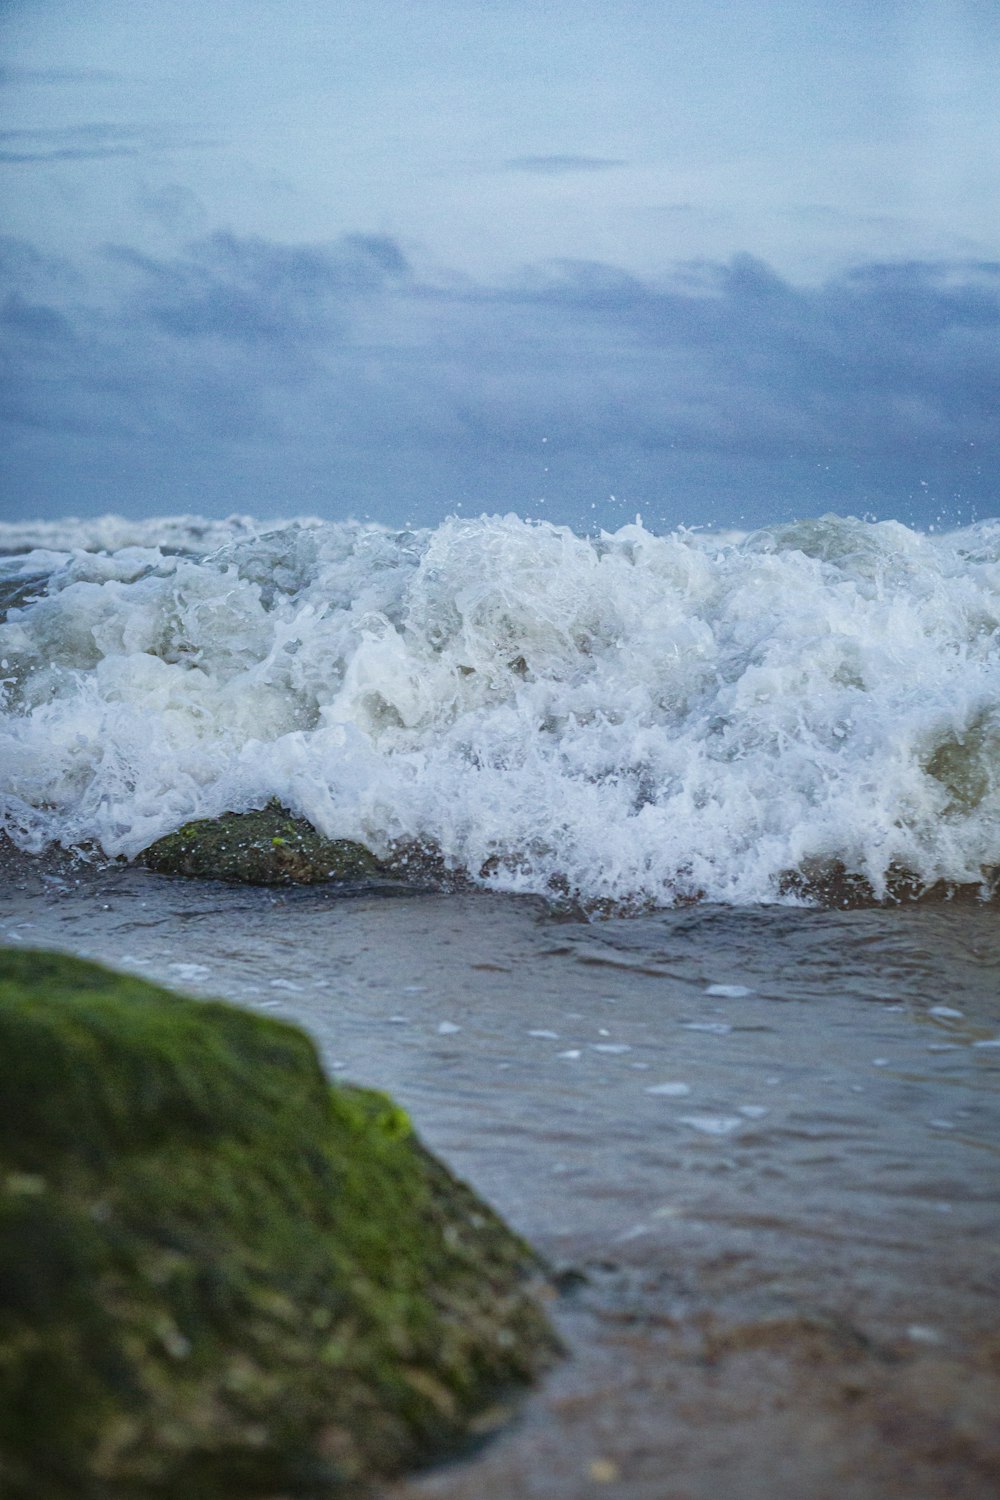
632 718
194 535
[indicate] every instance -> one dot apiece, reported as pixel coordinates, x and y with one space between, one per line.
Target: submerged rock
220 1276
265 847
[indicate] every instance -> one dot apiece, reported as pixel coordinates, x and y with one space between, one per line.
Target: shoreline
783 1288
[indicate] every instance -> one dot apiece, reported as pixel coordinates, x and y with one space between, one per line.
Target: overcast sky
715 262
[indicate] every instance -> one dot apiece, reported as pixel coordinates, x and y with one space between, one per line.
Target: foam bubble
631 718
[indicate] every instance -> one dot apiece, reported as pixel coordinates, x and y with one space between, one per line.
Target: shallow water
718 1116
772 1073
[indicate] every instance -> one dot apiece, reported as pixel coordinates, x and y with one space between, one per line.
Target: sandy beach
758 1148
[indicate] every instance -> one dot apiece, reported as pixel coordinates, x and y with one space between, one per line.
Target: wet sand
760 1149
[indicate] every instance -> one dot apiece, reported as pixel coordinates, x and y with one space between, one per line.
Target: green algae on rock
220 1276
268 846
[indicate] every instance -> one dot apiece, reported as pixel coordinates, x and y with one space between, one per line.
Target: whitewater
628 719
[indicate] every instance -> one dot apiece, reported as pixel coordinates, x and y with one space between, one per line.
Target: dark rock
219 1275
265 847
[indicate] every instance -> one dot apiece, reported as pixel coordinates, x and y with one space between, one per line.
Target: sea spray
628 718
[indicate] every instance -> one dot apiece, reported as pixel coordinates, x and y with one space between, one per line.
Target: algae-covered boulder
219 1275
265 847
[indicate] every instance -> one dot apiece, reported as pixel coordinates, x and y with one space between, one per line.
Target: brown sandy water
762 1146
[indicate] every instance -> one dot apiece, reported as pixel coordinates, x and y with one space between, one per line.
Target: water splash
630 718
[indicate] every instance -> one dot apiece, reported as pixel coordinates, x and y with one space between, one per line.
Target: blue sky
717 263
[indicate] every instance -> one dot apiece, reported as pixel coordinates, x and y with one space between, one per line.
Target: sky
720 264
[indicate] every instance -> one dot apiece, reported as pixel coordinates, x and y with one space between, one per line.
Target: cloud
32 320
20 259
38 350
731 356
556 165
91 142
67 153
232 344
253 291
336 364
174 207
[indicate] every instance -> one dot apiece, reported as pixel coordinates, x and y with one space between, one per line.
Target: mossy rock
265 847
220 1276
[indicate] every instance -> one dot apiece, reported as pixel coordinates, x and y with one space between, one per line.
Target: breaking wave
629 718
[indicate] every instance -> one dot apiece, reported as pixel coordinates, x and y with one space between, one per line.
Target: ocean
665 991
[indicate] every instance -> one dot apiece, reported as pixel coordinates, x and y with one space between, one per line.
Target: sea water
627 720
646 1040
